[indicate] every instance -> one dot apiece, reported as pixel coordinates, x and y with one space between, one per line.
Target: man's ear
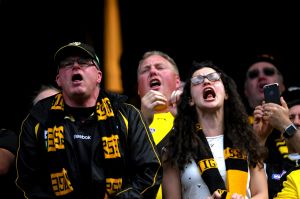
99 76
178 82
57 79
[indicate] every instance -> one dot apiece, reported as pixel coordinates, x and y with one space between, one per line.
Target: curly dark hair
184 143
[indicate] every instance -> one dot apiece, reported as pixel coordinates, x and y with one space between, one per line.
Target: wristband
289 131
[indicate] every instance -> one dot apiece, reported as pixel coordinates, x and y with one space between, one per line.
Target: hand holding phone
272 94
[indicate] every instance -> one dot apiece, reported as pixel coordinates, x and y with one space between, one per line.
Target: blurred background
228 33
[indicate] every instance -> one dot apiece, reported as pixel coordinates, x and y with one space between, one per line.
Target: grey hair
162 54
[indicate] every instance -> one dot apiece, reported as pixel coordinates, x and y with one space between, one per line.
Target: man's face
77 76
258 75
294 113
156 73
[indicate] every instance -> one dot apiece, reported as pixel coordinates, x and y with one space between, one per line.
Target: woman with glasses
212 152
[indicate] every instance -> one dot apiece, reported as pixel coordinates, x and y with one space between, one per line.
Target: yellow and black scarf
109 158
236 169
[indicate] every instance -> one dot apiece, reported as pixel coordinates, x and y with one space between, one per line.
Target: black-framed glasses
267 71
83 62
199 79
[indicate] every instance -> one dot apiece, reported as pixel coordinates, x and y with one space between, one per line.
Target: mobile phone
272 94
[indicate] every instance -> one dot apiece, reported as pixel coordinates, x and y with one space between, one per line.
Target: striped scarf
111 159
236 169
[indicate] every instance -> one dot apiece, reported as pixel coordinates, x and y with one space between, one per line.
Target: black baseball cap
292 96
76 48
264 57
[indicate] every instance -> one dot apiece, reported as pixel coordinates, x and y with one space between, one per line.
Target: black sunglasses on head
267 71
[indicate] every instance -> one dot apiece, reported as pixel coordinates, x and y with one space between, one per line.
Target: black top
8 188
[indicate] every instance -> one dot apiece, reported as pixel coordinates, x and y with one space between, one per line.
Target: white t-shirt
192 184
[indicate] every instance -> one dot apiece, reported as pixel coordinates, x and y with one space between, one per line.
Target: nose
76 64
261 74
206 81
152 71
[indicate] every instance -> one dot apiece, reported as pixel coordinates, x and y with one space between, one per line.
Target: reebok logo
82 137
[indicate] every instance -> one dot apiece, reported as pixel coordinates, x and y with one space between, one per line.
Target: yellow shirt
161 125
291 186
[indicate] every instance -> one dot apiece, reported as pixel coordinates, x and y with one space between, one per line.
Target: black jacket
142 171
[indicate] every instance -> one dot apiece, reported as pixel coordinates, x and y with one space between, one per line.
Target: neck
212 123
81 100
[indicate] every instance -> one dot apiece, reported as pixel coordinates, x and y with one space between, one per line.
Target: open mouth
209 93
154 83
77 77
261 85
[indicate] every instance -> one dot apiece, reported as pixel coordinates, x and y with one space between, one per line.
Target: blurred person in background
263 69
284 118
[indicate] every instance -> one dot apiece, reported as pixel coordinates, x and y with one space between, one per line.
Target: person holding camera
285 118
263 69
